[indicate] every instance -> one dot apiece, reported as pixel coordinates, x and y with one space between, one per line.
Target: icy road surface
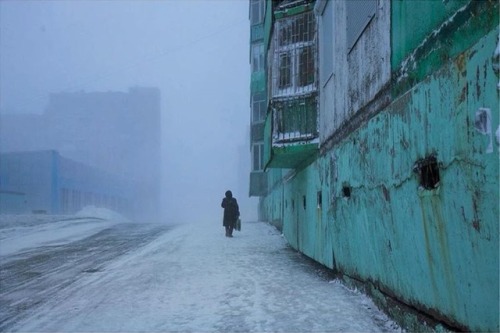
94 275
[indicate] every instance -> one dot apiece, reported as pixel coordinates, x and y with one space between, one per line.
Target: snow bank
101 213
26 232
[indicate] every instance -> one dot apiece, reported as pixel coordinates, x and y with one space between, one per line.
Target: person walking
231 213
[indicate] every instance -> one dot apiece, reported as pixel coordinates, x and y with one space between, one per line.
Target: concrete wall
358 74
434 251
437 250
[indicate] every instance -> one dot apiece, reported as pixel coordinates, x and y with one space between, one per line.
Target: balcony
295 120
291 135
291 132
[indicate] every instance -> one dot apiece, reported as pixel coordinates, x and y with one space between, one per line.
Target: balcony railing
291 136
295 120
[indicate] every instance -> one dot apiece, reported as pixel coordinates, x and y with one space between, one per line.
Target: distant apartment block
116 132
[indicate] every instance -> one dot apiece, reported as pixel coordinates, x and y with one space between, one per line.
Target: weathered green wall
306 227
412 21
425 35
435 250
268 23
258 82
271 206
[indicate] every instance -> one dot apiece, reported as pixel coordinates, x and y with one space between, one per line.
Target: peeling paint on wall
483 126
497 133
407 183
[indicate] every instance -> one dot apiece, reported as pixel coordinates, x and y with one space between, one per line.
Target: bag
237 225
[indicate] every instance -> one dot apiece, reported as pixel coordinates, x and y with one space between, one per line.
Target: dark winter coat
231 211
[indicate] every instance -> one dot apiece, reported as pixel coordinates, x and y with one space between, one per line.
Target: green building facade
379 148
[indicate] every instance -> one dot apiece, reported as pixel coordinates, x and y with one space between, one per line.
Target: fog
59 57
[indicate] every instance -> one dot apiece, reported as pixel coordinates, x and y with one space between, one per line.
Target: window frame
258 57
259 100
258 160
285 45
260 5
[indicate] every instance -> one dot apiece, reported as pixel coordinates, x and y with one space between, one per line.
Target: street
134 277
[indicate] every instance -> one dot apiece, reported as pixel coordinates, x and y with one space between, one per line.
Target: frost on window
294 56
285 71
292 72
306 63
295 120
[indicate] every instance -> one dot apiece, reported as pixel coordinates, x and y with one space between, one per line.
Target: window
259 107
294 55
258 157
326 43
257 8
284 34
64 200
285 66
75 196
306 64
359 14
258 57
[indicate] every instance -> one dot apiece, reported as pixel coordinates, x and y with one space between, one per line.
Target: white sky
195 51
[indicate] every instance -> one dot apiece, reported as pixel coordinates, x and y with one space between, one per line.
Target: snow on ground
101 213
20 232
193 279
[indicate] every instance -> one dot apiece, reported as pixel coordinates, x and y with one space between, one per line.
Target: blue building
46 182
116 132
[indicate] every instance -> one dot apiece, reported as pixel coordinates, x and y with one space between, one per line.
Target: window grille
295 120
258 157
258 107
294 55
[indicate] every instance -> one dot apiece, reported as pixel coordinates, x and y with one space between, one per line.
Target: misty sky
195 51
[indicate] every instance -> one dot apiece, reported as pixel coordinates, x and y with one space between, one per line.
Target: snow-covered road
131 277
